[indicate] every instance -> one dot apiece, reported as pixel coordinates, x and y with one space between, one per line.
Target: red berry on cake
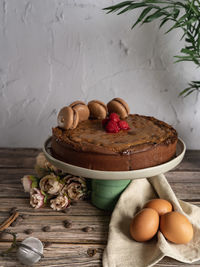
114 117
112 127
123 125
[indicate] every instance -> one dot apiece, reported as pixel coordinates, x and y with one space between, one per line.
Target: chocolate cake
148 142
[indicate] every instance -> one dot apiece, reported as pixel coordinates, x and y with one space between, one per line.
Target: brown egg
162 206
144 225
176 227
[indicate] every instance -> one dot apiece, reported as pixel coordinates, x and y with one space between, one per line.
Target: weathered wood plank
97 225
185 190
57 255
18 157
82 207
73 211
23 152
183 177
19 162
61 255
191 161
14 175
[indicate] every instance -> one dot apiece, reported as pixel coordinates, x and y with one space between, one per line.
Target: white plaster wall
53 52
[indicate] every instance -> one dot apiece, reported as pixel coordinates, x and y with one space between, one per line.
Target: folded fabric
122 250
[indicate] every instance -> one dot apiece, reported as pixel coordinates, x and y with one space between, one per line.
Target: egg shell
176 227
144 225
162 206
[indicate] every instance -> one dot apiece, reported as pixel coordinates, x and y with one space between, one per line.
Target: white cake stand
108 185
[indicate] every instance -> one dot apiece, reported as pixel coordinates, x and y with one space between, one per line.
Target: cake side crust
156 155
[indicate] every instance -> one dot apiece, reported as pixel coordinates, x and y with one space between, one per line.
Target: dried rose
36 198
59 203
75 187
29 181
43 167
51 184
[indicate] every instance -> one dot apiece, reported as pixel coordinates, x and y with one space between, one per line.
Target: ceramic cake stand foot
105 193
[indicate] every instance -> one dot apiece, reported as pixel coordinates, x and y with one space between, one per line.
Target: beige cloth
123 251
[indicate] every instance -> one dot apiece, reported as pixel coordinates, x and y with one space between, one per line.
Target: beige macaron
98 109
68 118
119 106
82 110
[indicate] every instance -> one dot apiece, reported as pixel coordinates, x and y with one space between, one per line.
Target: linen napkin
122 250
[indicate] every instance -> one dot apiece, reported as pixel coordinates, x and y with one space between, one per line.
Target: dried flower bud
43 167
59 203
51 184
36 198
75 187
29 181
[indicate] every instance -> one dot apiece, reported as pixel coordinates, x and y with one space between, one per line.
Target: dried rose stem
8 222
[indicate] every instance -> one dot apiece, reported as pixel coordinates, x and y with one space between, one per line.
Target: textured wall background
53 52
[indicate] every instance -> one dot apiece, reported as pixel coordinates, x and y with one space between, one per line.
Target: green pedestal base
105 193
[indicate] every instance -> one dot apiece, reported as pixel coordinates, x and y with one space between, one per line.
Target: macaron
68 118
98 109
82 110
119 106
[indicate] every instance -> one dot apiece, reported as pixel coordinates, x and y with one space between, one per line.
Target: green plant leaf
45 196
154 16
178 23
186 51
142 15
176 13
189 92
184 15
164 21
117 6
184 91
193 7
133 6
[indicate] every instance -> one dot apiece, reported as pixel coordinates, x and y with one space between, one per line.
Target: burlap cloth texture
123 251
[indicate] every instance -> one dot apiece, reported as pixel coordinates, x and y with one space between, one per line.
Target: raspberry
123 125
114 117
112 127
104 122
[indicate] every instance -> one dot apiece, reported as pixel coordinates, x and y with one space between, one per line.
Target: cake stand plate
108 185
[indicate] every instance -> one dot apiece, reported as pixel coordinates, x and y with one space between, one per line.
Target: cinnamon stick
8 222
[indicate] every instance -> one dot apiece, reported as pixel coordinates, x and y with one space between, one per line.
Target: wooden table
74 246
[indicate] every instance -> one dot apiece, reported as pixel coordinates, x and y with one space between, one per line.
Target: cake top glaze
144 133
